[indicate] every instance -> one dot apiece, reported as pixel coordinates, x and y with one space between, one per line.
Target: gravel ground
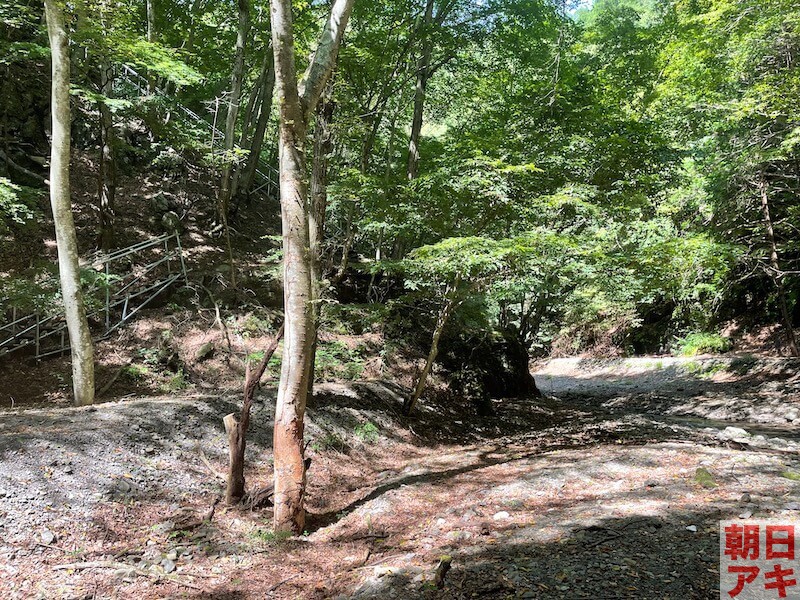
611 487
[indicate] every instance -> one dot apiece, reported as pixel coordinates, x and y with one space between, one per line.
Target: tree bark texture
237 428
80 338
297 103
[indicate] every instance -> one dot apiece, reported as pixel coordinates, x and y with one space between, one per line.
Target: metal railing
124 296
266 174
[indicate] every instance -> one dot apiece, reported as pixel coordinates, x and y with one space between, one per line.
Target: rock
792 506
171 222
499 370
651 484
205 352
501 515
746 514
745 499
704 477
168 565
47 536
171 555
692 528
125 574
792 414
733 433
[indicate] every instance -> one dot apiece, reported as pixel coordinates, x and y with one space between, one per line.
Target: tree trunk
253 158
151 37
423 67
237 428
775 270
323 145
108 167
441 321
233 105
297 104
66 238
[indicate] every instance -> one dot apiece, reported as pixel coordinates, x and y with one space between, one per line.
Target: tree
234 97
297 101
66 239
447 273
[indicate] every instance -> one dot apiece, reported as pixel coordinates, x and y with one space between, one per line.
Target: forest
400 299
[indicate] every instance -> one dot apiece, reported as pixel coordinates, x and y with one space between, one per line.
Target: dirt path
611 488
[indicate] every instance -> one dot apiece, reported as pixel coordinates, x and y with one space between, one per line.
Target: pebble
47 536
692 528
168 565
501 515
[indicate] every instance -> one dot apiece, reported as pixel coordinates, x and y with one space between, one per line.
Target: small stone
124 574
692 528
171 555
168 565
746 514
501 515
651 484
792 506
47 536
745 499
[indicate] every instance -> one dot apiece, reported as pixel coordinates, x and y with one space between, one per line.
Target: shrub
701 343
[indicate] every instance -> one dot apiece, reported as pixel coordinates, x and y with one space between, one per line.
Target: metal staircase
266 175
124 292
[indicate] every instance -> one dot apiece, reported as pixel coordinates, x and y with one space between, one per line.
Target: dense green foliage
588 178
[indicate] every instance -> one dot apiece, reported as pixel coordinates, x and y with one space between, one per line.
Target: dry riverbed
611 487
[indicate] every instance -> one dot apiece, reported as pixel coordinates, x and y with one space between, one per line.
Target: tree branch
321 64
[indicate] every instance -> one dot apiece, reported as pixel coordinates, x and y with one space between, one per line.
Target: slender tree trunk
237 428
194 13
348 244
257 142
323 145
108 167
441 321
775 270
297 104
233 103
66 239
151 37
423 67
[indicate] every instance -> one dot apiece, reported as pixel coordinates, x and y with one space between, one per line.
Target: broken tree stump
236 428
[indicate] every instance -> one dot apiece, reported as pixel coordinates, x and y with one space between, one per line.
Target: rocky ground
611 487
